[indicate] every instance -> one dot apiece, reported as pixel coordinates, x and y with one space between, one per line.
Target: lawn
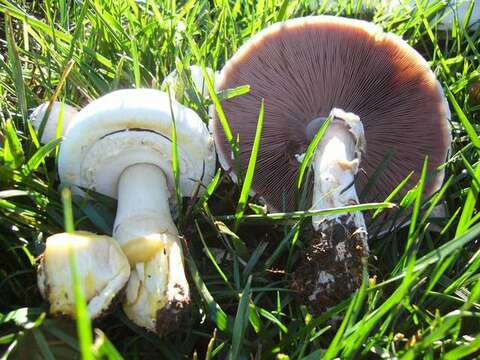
421 297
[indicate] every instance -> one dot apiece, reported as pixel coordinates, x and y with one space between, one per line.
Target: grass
422 296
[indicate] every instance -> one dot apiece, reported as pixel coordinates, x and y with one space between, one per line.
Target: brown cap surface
305 67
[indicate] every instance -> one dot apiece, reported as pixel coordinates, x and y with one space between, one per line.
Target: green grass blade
219 110
103 348
394 193
441 252
297 215
209 190
16 68
175 161
469 205
333 349
84 327
212 257
412 229
465 350
247 183
13 154
215 312
241 322
231 93
467 125
307 160
37 159
43 345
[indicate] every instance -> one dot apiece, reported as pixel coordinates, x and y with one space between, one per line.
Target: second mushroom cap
305 67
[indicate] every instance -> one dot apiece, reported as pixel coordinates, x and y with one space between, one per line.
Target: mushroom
382 97
102 267
120 145
51 124
178 86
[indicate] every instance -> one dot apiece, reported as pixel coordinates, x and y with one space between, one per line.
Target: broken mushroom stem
339 247
335 163
102 268
144 227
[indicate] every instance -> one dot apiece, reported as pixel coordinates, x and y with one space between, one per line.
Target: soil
171 316
332 266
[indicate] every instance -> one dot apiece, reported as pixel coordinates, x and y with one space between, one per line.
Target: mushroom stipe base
173 313
332 267
112 307
102 268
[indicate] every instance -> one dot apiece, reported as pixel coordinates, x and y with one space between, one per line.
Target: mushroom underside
302 69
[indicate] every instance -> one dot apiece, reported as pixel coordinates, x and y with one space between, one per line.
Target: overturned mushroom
378 91
121 145
102 267
58 109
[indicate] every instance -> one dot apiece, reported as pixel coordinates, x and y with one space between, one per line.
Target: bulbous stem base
157 293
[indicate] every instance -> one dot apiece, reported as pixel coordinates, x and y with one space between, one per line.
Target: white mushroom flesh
143 224
158 288
102 267
336 162
339 246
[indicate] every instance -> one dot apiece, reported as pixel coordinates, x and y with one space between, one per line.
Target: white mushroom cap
102 267
135 126
50 129
178 86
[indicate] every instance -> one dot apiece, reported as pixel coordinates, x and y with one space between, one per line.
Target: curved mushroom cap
50 129
134 126
305 67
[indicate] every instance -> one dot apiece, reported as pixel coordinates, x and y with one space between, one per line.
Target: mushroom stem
339 248
143 222
144 228
335 163
102 268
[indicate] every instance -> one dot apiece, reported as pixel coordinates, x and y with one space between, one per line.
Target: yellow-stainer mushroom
382 96
120 145
102 266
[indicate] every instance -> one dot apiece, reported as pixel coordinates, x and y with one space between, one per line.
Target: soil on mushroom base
332 265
